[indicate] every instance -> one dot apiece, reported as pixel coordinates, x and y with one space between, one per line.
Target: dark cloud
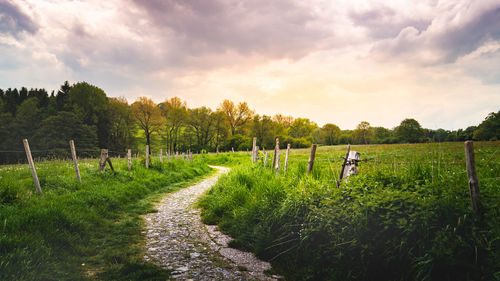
384 22
275 29
14 21
451 35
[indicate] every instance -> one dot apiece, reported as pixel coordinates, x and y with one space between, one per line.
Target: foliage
407 216
410 131
77 231
148 116
489 129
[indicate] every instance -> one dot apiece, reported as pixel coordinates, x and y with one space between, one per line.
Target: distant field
83 231
406 216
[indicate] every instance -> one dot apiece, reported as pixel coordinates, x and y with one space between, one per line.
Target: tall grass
406 216
79 231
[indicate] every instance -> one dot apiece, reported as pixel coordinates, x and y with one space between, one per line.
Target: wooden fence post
310 163
256 153
75 161
176 155
265 159
32 166
470 163
102 161
276 160
232 148
161 155
343 164
351 165
253 150
147 156
286 157
129 156
168 155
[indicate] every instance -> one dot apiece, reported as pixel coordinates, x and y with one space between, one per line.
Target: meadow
81 231
406 216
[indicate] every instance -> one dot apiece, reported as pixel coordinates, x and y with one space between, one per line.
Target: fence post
310 163
147 156
32 166
276 160
75 161
129 156
256 153
161 155
351 165
102 161
470 163
168 155
343 164
265 159
253 149
176 155
286 157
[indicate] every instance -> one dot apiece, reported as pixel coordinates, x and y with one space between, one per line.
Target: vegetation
84 113
88 230
406 216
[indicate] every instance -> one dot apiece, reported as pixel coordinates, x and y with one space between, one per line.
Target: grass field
406 216
83 231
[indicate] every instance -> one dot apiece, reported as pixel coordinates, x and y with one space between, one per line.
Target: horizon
340 62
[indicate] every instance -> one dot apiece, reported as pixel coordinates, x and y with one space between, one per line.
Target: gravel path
176 239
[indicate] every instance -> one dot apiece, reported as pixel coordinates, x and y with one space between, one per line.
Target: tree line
84 113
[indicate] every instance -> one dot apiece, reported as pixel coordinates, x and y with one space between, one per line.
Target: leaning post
75 161
470 163
310 163
32 166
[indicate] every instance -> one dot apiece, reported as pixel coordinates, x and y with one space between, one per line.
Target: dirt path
176 239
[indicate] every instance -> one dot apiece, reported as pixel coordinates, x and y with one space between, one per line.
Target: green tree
363 133
410 131
148 116
489 129
202 122
330 134
263 130
237 116
91 104
122 123
174 111
302 128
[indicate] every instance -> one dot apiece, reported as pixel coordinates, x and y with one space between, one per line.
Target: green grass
406 216
83 231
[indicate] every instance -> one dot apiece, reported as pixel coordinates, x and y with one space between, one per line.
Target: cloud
275 29
14 21
457 30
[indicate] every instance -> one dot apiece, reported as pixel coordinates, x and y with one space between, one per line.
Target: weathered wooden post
129 156
310 163
276 160
161 155
254 156
168 155
286 157
176 155
343 164
351 165
102 161
75 161
232 149
147 156
32 166
470 163
265 159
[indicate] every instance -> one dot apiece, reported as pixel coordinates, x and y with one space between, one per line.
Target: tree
91 104
262 129
383 135
330 134
302 128
286 121
122 122
202 121
148 116
237 116
410 131
175 113
221 130
489 129
363 133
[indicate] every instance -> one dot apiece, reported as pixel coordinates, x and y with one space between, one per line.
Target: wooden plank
75 161
286 157
102 161
32 166
310 163
343 165
129 158
470 163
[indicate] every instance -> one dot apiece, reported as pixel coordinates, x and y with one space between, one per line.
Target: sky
338 61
